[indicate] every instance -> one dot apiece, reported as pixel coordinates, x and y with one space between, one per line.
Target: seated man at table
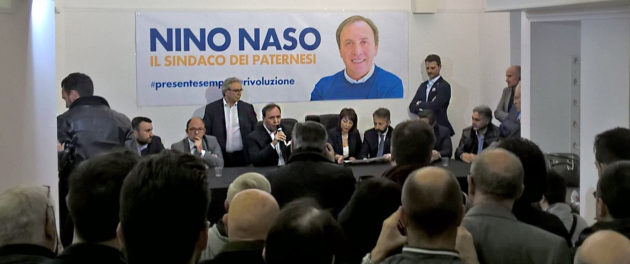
376 141
310 171
412 142
443 147
477 137
199 144
267 145
143 142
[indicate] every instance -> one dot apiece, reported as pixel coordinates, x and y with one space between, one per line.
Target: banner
182 58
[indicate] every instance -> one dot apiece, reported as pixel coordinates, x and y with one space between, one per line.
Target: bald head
604 247
251 214
497 173
432 201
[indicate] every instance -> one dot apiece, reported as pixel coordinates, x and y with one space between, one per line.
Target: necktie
479 144
381 145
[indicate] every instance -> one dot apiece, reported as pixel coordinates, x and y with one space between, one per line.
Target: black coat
259 147
439 99
370 143
468 143
310 174
214 119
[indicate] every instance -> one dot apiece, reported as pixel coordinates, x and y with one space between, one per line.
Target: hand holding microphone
281 136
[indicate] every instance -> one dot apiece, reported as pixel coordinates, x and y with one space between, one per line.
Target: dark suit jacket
25 253
439 99
259 148
511 125
153 148
249 252
310 174
443 143
90 253
354 142
370 143
214 119
468 142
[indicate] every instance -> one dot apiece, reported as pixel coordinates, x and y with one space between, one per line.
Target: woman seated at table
345 138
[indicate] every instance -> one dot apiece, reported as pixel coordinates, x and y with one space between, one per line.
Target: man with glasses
199 144
28 232
230 120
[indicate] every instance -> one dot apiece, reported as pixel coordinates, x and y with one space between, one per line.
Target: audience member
612 196
511 126
230 120
28 231
267 144
251 214
495 182
477 137
345 138
535 183
434 94
94 204
163 206
553 202
373 201
88 128
143 142
413 141
507 101
443 147
310 173
610 146
431 212
604 247
199 144
357 40
376 141
217 235
303 233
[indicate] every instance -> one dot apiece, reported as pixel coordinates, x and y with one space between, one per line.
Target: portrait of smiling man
357 40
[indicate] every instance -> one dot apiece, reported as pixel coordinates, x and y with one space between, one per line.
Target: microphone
279 129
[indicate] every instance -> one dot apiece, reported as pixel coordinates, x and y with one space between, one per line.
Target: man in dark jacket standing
88 128
310 171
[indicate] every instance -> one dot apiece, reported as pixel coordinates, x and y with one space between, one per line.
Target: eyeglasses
236 90
194 129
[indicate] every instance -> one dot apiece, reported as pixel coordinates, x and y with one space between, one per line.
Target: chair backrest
328 120
287 123
567 165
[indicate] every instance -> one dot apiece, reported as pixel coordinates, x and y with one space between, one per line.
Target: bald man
431 212
251 214
604 247
199 144
506 103
495 182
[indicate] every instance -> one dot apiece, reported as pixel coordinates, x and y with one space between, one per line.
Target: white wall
27 138
97 38
553 47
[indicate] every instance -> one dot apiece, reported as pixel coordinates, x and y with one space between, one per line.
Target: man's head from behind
245 181
610 146
26 217
163 206
534 167
76 85
481 117
496 174
432 204
357 39
604 247
94 195
381 119
412 142
427 116
613 191
142 129
309 135
251 214
303 233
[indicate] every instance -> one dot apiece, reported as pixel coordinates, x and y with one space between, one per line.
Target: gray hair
23 212
249 180
309 135
499 173
226 84
484 111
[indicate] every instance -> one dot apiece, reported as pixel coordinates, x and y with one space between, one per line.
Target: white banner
182 58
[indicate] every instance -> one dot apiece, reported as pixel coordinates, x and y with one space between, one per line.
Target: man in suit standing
143 142
376 141
511 126
197 143
230 120
506 103
477 137
267 145
494 183
433 94
443 147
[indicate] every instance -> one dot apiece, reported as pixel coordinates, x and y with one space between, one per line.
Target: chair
330 121
567 165
287 123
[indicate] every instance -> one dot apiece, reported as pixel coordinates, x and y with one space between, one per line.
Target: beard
143 141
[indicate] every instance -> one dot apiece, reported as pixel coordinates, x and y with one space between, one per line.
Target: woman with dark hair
345 138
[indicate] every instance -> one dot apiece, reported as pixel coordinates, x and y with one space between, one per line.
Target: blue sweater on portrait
382 84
